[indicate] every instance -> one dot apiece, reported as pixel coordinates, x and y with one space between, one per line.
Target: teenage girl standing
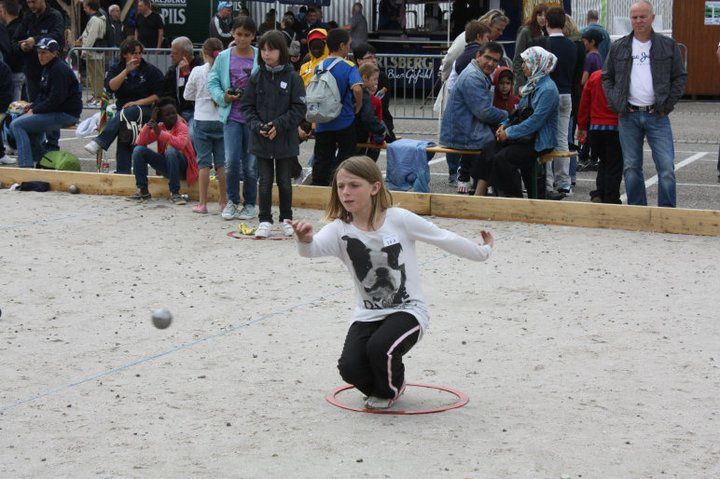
377 243
273 107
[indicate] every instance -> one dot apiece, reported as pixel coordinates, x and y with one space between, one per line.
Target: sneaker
566 191
140 196
263 230
229 212
10 150
247 212
373 402
286 229
6 160
93 147
177 199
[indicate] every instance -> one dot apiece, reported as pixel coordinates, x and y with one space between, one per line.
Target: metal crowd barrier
414 84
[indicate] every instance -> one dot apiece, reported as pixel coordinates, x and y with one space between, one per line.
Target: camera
235 91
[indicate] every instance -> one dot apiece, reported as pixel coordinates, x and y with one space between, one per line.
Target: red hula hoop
462 399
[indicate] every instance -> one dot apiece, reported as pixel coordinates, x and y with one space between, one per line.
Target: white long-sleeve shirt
383 263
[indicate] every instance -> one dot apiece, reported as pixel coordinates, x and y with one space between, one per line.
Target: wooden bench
430 149
538 169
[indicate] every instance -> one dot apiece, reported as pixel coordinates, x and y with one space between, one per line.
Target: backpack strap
329 67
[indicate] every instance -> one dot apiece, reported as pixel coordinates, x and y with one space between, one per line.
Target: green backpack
59 160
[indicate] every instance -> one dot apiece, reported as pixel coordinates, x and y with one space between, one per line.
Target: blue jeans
29 131
634 127
124 151
209 144
172 165
240 164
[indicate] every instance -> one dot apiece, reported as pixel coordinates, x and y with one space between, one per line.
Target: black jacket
59 90
49 24
6 87
666 64
173 90
14 59
146 80
277 97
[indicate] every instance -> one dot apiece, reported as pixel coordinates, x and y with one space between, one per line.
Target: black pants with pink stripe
371 359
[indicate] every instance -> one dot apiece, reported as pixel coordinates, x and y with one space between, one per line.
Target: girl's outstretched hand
487 237
303 230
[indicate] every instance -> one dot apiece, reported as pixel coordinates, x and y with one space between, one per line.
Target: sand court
584 352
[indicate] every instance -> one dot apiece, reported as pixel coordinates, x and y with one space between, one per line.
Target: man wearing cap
221 23
40 21
58 103
318 52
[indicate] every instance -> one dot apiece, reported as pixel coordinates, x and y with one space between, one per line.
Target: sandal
202 209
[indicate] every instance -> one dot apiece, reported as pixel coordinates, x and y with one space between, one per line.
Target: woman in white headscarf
522 142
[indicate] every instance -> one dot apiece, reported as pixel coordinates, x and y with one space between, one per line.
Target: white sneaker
229 212
373 402
6 160
263 230
247 212
286 229
92 147
10 150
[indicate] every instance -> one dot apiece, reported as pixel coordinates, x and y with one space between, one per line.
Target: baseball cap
48 43
317 34
222 5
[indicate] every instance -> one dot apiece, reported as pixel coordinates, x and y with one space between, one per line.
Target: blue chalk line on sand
180 347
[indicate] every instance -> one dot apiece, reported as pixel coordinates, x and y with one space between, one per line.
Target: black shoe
140 196
554 195
177 199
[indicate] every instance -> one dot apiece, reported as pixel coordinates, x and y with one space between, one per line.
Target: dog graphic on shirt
379 272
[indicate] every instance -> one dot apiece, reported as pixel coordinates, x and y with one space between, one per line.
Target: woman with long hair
529 33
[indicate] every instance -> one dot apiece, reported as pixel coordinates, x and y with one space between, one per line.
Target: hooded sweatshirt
307 70
509 102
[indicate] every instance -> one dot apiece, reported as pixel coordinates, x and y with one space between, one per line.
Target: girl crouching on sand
377 243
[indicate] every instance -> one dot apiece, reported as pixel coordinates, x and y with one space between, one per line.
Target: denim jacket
666 64
545 104
470 112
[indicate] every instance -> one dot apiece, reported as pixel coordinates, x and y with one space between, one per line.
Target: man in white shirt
643 77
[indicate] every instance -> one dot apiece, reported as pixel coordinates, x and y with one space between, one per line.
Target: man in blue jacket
470 117
57 104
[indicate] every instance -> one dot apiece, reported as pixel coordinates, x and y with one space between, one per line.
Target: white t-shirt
383 263
196 90
641 92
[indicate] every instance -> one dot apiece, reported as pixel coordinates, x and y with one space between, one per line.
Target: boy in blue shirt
338 134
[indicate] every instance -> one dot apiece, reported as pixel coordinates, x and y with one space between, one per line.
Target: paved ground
695 130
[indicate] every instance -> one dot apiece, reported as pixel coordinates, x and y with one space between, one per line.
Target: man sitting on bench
175 157
470 116
57 104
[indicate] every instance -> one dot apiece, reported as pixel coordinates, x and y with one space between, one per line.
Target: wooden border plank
566 213
304 196
586 215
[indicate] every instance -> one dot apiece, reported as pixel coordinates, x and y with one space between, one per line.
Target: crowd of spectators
561 81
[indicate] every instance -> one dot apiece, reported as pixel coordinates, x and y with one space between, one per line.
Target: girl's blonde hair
570 29
365 168
494 16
